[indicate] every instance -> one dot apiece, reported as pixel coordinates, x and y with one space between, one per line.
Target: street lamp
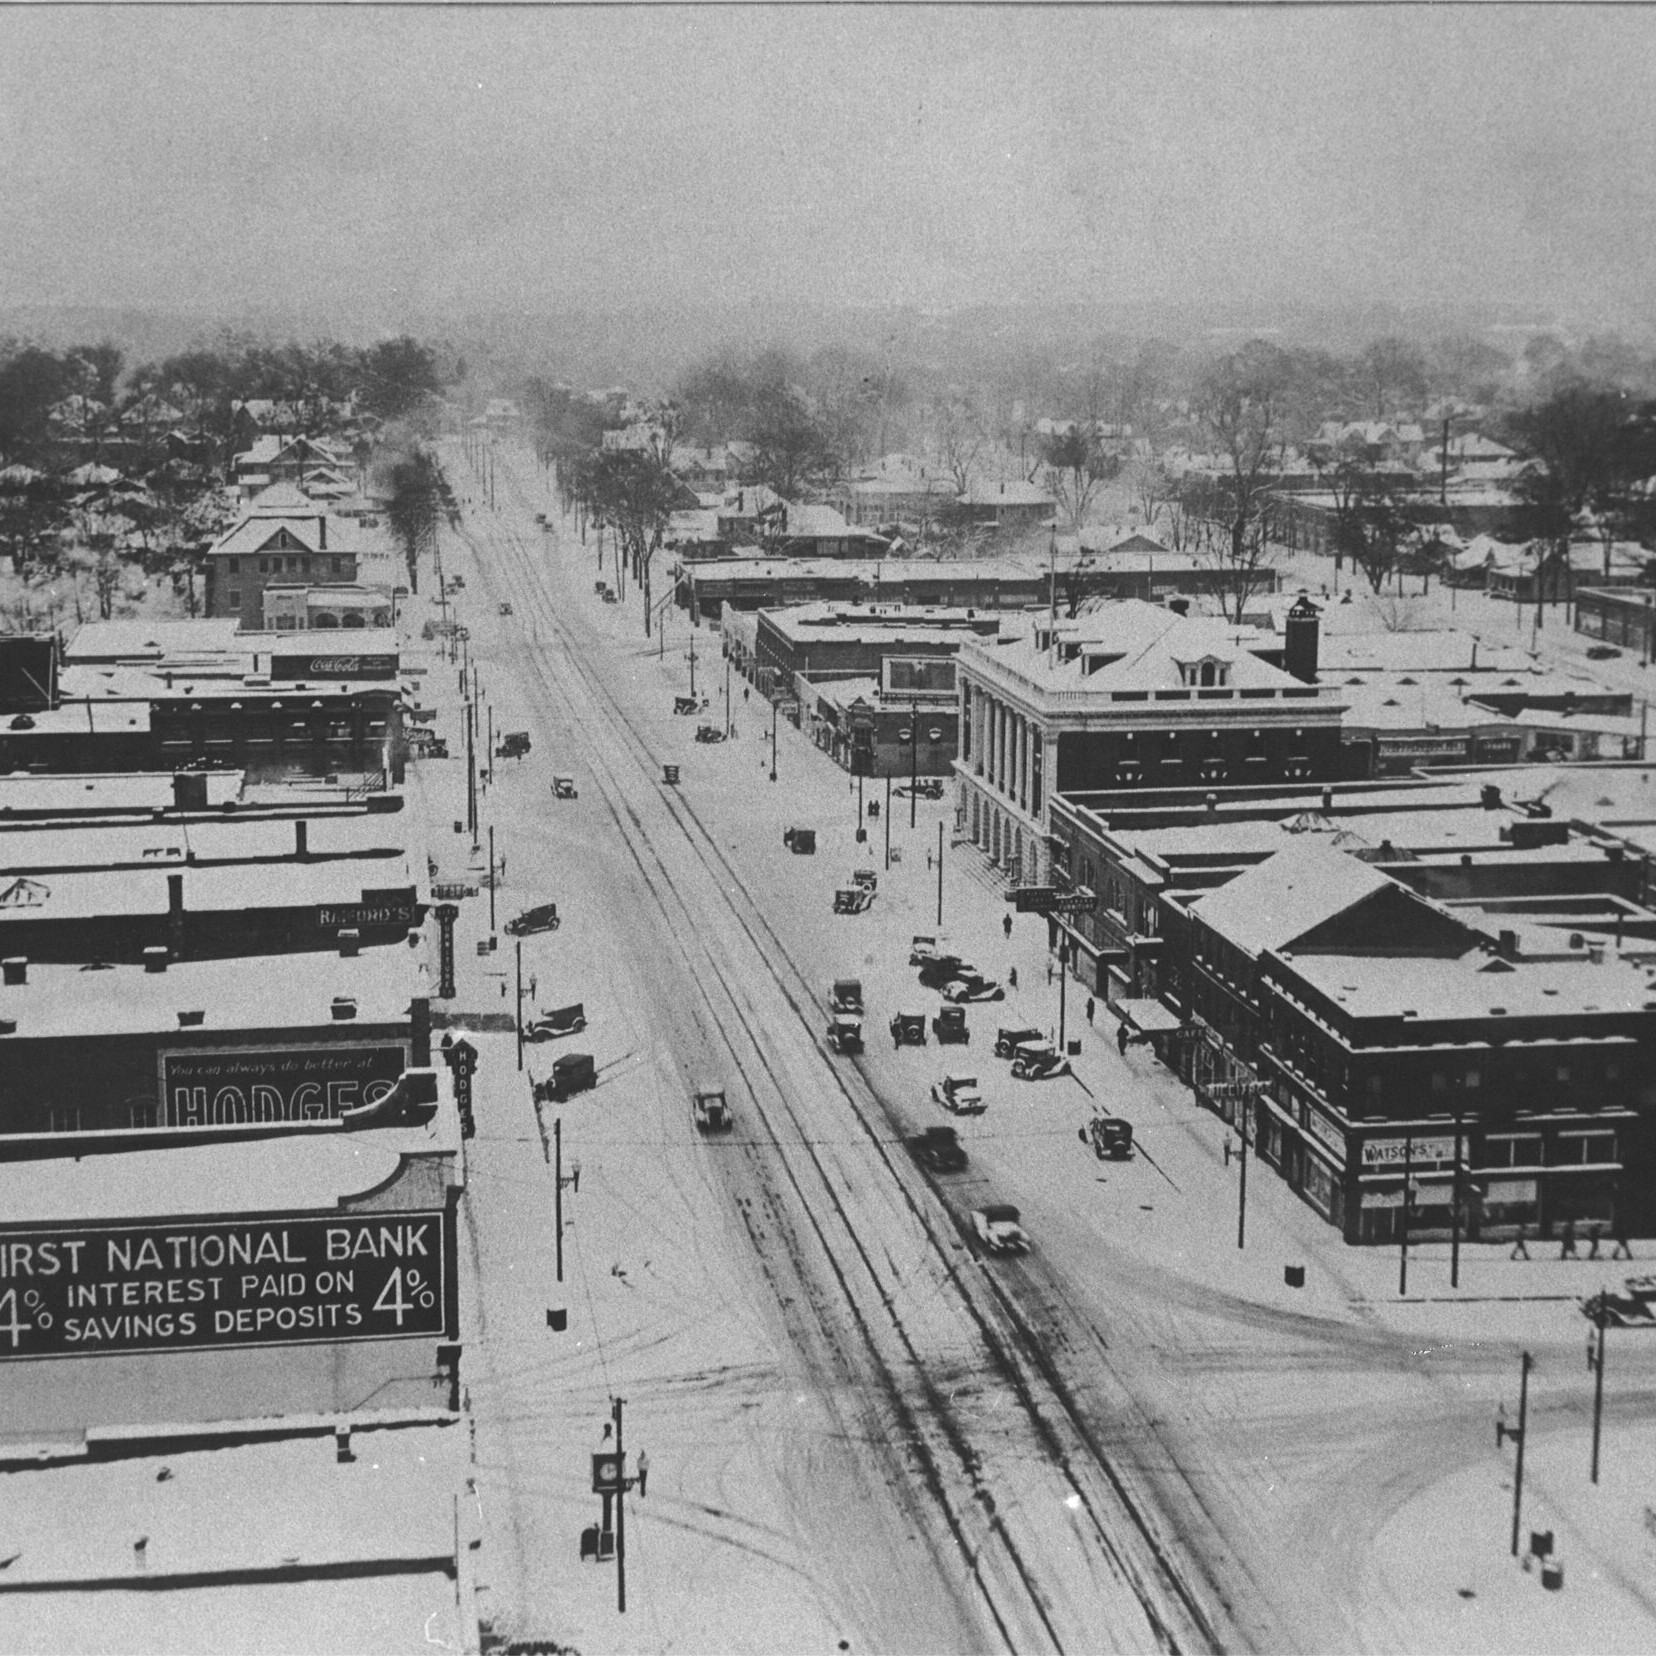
774 706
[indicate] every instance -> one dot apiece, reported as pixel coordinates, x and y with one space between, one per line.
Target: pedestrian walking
1595 1235
1012 977
1227 1149
746 692
1520 1248
1121 1038
643 1471
1049 974
1091 1006
1006 925
1567 1240
1621 1249
928 862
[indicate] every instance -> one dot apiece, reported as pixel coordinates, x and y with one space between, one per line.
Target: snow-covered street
1136 1436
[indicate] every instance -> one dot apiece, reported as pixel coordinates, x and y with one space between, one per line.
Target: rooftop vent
191 1020
155 958
344 1006
15 969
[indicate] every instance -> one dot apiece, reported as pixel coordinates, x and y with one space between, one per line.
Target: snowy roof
39 848
1015 493
134 792
1289 894
1412 707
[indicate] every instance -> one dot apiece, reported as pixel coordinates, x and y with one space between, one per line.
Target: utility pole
940 875
1517 1434
1455 1200
914 756
520 1004
1601 1319
773 741
491 881
620 1518
558 1183
1063 983
471 771
1242 1171
888 825
1403 1233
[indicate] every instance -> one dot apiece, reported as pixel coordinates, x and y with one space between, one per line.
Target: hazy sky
421 158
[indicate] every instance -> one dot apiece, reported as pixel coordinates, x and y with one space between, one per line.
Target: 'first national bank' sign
211 1283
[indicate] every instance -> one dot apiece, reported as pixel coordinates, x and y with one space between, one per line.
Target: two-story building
282 539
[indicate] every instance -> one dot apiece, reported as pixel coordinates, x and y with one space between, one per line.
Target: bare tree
960 431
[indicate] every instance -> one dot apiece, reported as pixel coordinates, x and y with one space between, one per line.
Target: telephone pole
620 1517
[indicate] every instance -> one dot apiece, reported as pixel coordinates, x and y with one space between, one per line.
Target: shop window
1513 1150
1576 1149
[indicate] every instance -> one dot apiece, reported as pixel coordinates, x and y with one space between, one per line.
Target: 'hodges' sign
180 1287
225 1086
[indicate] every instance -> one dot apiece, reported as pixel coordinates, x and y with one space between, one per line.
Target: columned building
1128 696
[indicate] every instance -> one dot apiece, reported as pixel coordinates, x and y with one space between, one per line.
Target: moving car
997 1229
513 744
853 900
708 1106
710 733
958 1093
846 996
926 946
1603 652
973 988
688 704
941 969
928 787
949 1026
573 1073
845 1034
866 878
1009 1037
505 608
1111 1137
800 841
938 1150
543 918
563 787
908 1029
1038 1061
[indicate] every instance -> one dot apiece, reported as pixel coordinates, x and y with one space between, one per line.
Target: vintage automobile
926 946
1038 1061
513 744
1009 1037
938 1150
556 1021
689 704
505 608
800 841
1110 1136
611 596
670 775
709 1109
600 587
853 900
542 918
997 1229
949 1026
866 878
845 1034
908 1029
573 1073
928 787
1634 1307
710 733
972 987
846 996
958 1093
563 787
944 968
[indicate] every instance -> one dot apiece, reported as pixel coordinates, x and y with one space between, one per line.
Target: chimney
350 942
301 839
190 790
15 969
175 914
322 533
1506 945
1301 634
155 958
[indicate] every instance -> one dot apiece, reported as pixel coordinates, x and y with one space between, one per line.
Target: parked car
513 744
542 918
1603 652
974 988
866 878
563 787
845 1034
1009 1037
926 946
1110 1136
997 1229
711 1112
505 608
689 704
553 1022
958 1093
1038 1061
574 1072
928 787
710 733
941 969
938 1150
846 996
800 841
853 900
908 1029
949 1026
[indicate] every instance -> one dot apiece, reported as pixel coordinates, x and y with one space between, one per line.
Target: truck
846 996
997 1229
711 1112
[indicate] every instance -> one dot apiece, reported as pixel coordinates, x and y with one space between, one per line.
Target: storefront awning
1150 1017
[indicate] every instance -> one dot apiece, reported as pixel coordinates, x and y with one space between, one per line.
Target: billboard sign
87 1291
225 1086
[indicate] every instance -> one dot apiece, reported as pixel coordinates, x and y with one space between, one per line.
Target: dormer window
1208 673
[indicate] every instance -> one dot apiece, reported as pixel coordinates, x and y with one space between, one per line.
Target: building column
1023 764
1003 722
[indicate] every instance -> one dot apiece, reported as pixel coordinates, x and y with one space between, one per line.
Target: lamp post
773 741
914 756
727 688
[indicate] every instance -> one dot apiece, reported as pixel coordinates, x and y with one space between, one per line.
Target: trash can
1294 1275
